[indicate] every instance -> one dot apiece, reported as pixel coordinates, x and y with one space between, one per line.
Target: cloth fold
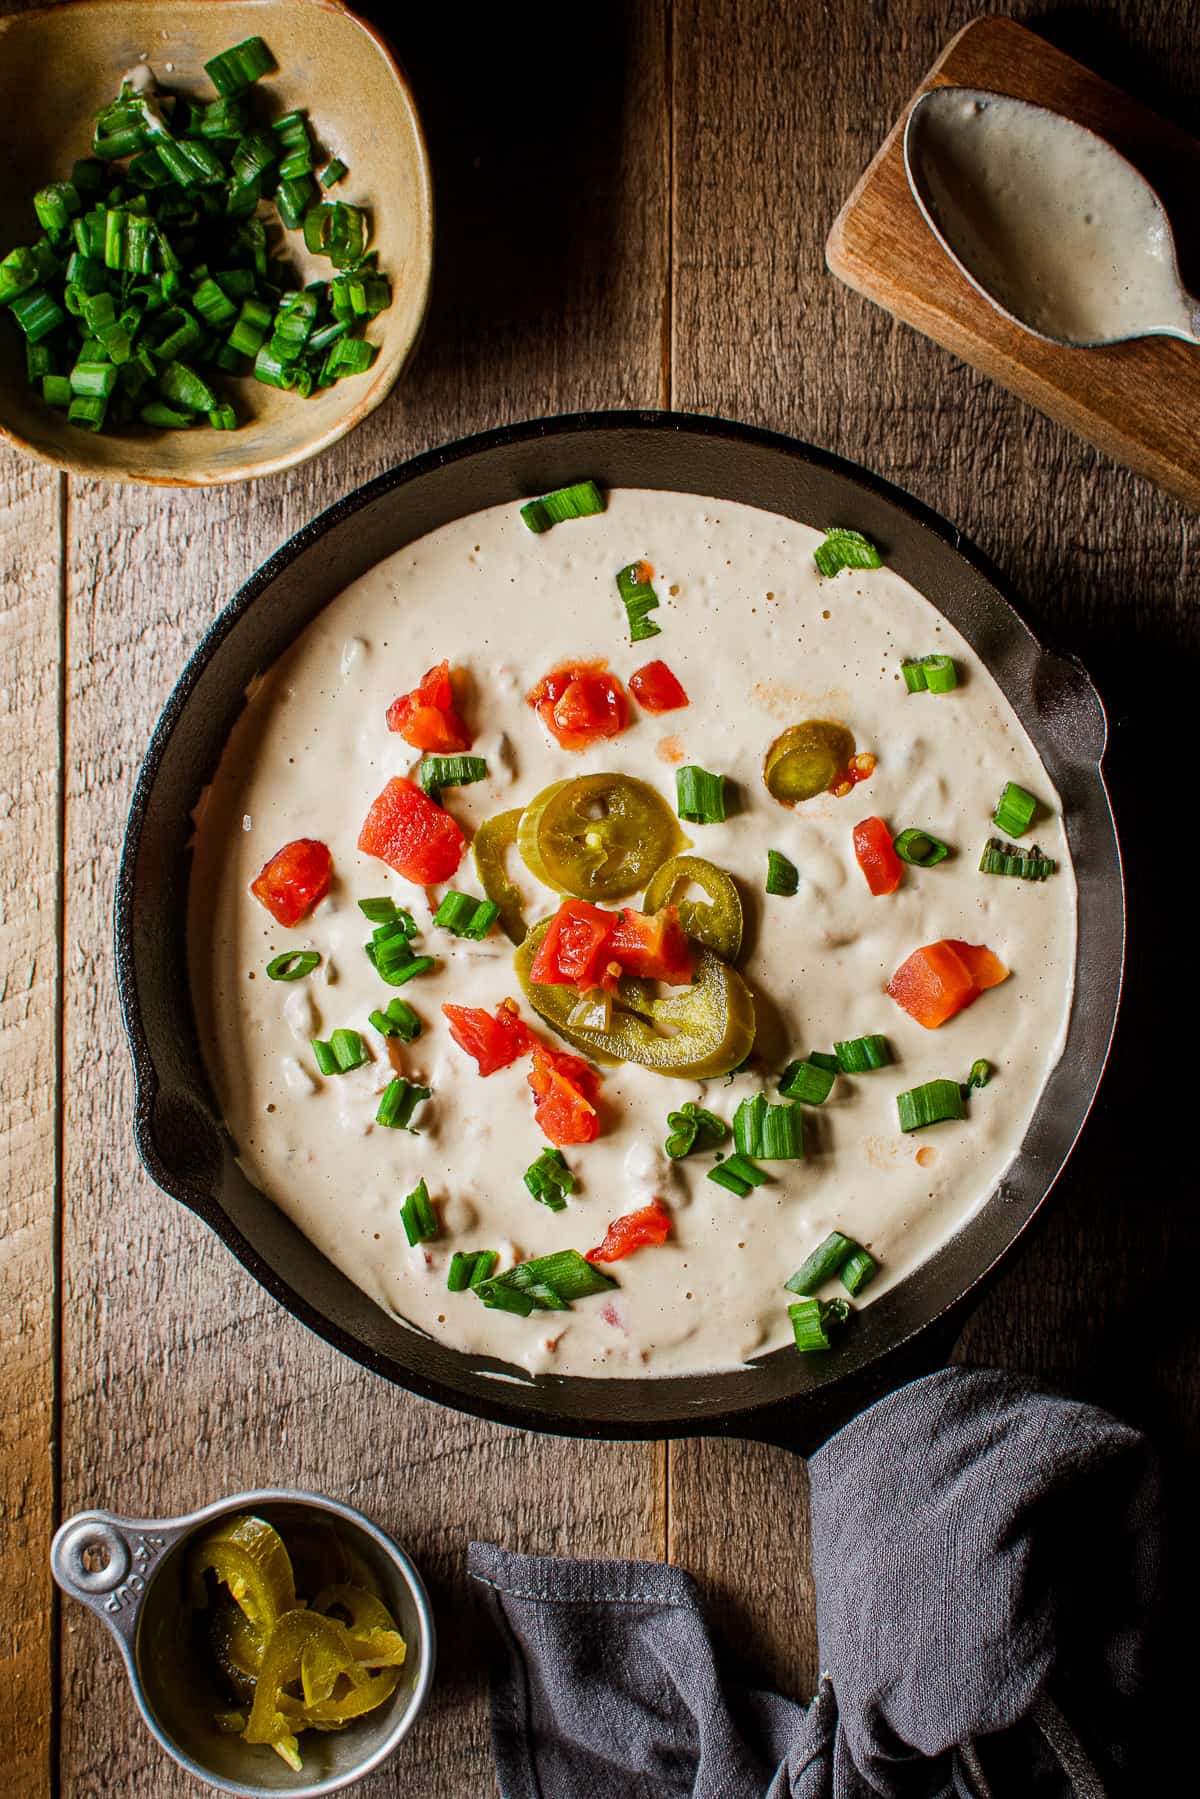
987 1560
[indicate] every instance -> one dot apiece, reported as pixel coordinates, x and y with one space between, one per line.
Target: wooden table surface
633 202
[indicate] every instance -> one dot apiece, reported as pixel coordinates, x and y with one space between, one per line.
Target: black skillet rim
864 1349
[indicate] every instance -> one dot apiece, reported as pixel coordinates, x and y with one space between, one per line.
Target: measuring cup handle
114 1592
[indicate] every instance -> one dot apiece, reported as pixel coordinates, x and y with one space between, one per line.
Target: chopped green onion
181 220
333 171
770 1133
549 1283
400 1100
417 1215
37 313
692 1128
825 1261
181 386
397 1019
393 959
349 1050
292 965
845 549
860 1054
783 877
87 411
93 379
980 1075
920 848
859 1269
737 1175
550 1180
469 1267
807 1081
55 204
1008 859
466 917
1014 810
941 676
699 796
436 772
639 598
233 71
933 1103
18 271
579 501
165 418
812 1321
821 1058
386 911
327 1062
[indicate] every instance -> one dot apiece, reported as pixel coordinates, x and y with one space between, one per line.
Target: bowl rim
124 1615
69 463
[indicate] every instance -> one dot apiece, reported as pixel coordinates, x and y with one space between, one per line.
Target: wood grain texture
1137 401
766 147
184 1381
30 771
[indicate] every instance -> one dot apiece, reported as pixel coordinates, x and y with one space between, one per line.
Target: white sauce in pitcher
1048 218
759 642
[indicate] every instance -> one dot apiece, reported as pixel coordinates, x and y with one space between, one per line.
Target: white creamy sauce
1049 219
759 642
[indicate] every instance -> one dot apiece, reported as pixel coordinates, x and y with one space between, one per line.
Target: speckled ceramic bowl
61 64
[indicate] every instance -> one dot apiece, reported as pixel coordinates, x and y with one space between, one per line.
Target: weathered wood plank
30 777
770 134
184 1381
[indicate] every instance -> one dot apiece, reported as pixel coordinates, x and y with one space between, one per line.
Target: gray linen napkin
987 1560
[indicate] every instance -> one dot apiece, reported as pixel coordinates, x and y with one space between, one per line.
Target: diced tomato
580 703
574 951
586 947
636 1230
656 689
426 717
417 838
294 880
652 945
936 981
985 969
495 1042
876 857
564 1088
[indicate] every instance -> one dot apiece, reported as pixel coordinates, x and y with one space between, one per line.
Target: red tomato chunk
636 1230
655 688
587 947
417 838
876 857
943 978
564 1088
294 881
580 703
494 1042
426 717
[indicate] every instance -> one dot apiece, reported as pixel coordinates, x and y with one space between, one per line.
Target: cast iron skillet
785 1397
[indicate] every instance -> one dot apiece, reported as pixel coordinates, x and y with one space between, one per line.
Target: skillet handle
803 1426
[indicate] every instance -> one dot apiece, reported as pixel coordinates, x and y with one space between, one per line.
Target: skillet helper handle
116 1589
803 1426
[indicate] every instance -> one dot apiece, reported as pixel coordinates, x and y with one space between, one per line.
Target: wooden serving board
1139 402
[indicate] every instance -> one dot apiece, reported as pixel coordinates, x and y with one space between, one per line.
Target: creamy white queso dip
760 641
1048 218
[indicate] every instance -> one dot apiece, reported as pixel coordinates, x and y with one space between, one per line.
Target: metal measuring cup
139 1593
